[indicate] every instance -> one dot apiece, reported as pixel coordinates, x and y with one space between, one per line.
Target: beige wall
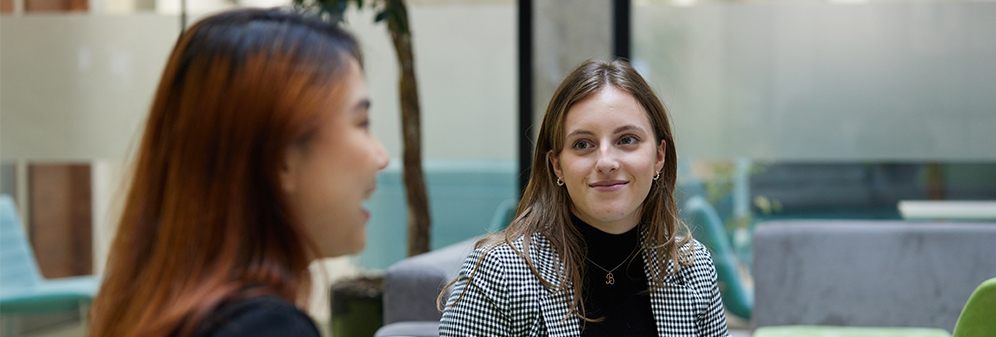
465 57
76 87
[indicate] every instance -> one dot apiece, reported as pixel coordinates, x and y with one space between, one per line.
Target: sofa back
412 285
868 273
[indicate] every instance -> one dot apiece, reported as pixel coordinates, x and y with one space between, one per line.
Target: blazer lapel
554 308
554 305
673 306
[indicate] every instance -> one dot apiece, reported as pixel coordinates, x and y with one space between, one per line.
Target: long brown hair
205 220
545 208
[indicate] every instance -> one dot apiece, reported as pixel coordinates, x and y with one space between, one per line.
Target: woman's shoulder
496 247
258 316
699 249
692 247
495 255
702 268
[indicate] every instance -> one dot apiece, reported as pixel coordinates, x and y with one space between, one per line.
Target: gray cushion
868 273
409 329
411 285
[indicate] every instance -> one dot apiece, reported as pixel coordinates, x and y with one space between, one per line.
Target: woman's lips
366 196
608 185
369 192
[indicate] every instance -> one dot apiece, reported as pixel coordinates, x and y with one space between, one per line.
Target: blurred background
788 109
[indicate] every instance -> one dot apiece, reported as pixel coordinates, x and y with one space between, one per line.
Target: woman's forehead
609 110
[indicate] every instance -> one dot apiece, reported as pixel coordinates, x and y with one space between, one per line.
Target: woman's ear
555 162
661 154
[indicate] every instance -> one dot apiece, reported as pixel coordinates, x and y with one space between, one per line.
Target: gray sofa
868 273
412 285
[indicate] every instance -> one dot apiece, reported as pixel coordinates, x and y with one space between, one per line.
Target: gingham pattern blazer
505 299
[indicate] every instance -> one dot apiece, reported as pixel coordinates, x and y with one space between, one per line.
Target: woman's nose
381 155
607 161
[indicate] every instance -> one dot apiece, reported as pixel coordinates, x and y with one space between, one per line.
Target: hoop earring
657 175
560 182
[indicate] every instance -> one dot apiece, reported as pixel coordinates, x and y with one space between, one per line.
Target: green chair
978 318
25 290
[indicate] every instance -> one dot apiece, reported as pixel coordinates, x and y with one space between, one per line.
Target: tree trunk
418 201
935 181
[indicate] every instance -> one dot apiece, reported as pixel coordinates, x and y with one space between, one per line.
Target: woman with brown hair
595 248
255 160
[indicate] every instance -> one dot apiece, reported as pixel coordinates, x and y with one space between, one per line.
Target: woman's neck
598 238
616 227
604 248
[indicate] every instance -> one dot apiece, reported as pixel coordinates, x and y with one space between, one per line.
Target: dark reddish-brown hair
205 220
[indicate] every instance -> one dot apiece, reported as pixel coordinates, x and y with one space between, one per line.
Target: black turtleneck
624 305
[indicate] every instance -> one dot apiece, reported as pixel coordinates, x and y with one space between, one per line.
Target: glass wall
817 81
823 109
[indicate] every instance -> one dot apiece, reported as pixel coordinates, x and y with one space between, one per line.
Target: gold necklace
609 278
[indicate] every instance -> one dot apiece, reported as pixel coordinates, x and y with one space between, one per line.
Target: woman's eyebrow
621 129
580 132
627 127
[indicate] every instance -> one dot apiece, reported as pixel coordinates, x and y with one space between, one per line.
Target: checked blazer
504 298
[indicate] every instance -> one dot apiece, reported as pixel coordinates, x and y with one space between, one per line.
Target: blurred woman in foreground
255 159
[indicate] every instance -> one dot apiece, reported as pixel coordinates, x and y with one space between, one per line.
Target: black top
261 316
624 305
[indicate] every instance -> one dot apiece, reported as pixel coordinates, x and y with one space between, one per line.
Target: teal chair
24 290
503 216
708 228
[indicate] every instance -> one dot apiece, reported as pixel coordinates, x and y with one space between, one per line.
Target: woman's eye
628 140
582 145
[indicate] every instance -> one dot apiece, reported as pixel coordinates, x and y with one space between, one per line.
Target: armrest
412 285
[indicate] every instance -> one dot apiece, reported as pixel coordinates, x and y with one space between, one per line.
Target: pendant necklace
609 278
